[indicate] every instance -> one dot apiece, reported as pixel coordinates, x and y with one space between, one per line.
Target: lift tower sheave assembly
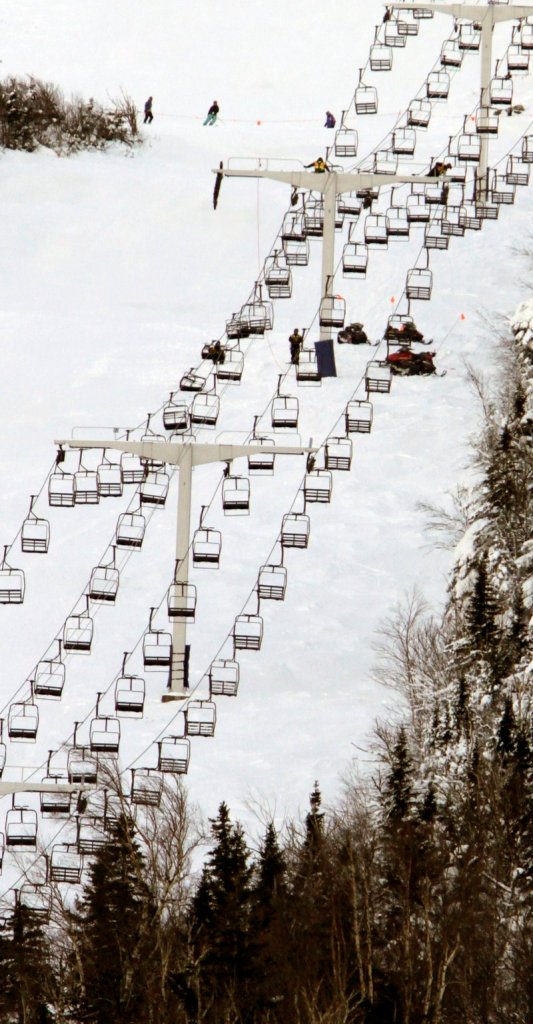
331 184
486 16
185 457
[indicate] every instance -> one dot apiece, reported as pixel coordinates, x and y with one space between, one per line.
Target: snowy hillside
116 270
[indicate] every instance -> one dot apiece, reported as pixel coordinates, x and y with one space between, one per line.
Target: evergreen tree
26 978
113 932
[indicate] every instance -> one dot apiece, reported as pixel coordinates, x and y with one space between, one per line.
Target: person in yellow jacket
319 165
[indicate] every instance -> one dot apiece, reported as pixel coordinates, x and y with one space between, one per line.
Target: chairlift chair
376 231
109 480
206 547
469 217
380 58
295 530
224 676
517 59
61 490
12 583
397 222
248 632
66 864
419 284
451 56
338 455
36 897
82 766
284 412
131 527
35 534
261 462
200 718
103 584
293 227
433 236
487 121
296 252
236 495
392 35
385 162
524 36
358 416
174 755
469 36
318 486
278 277
258 315
366 99
404 141
527 147
49 677
55 803
349 204
91 836
175 414
417 209
154 488
406 26
307 371
192 380
86 487
157 649
438 85
78 632
104 735
314 218
378 377
501 92
181 601
272 583
205 409
21 827
130 692
419 113
501 191
451 223
131 468
232 367
346 142
354 259
146 787
23 721
422 13
517 171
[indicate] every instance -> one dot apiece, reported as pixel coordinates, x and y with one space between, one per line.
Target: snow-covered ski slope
116 270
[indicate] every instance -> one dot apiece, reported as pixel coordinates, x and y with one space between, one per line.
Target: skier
296 341
148 116
319 165
212 113
330 120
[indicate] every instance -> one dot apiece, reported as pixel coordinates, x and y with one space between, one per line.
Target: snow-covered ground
115 270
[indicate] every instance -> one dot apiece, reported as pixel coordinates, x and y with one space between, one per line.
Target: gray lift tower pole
486 15
331 184
185 457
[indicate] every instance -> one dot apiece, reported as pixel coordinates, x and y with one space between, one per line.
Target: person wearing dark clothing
148 116
296 341
212 113
438 169
330 120
387 15
319 165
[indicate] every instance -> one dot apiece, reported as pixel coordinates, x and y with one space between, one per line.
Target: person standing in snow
212 113
330 120
148 116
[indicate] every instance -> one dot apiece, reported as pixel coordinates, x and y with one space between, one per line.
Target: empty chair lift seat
419 113
376 230
12 585
61 490
157 649
109 480
404 141
346 142
378 377
205 410
200 718
501 92
232 367
338 453
154 488
23 721
174 755
438 85
380 57
55 802
263 461
284 412
104 735
181 601
307 367
318 486
295 530
49 679
419 284
355 259
487 121
146 787
517 171
332 311
35 536
78 633
103 584
272 582
358 417
175 415
366 99
82 766
129 695
236 495
86 488
21 827
66 864
131 527
248 632
131 468
206 547
224 678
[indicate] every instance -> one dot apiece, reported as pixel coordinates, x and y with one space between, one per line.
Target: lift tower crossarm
185 456
8 788
486 15
331 184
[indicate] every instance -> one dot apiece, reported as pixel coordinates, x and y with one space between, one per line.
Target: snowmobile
405 362
353 334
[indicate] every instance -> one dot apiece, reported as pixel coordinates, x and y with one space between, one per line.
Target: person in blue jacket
212 113
330 120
